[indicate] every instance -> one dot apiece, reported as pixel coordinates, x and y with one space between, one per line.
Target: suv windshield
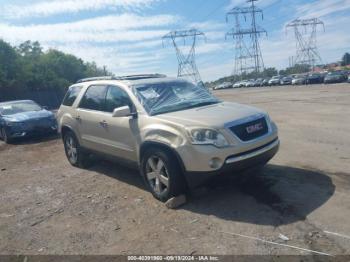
159 98
18 107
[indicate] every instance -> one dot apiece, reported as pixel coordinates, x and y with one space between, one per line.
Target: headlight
201 136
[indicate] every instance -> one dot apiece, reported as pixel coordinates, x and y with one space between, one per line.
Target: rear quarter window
71 95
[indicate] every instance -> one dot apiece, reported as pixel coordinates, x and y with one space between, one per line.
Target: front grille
246 131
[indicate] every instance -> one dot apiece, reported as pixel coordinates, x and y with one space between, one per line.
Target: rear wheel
162 174
75 155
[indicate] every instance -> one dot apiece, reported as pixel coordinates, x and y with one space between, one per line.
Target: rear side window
94 98
71 95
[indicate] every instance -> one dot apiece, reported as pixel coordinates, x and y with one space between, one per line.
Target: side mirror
123 111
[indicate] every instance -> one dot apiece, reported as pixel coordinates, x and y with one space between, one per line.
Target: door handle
78 118
104 123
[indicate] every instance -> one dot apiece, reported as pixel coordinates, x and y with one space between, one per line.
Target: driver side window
117 97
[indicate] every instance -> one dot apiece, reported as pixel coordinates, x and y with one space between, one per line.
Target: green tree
270 72
30 49
297 69
345 60
29 67
9 65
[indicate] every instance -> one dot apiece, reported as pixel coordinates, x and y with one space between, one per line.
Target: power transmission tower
186 60
248 56
305 31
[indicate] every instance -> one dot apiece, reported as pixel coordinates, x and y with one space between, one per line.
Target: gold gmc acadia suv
175 132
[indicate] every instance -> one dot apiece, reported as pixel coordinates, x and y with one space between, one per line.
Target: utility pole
248 56
305 31
186 60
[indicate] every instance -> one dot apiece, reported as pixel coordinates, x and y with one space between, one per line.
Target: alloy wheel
157 174
71 148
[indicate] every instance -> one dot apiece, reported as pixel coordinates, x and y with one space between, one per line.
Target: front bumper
237 163
18 132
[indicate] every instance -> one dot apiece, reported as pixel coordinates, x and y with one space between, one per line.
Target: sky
126 35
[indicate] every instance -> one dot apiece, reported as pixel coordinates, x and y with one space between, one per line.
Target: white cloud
55 7
125 44
322 8
208 25
126 27
215 71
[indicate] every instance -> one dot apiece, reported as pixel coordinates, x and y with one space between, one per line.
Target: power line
214 11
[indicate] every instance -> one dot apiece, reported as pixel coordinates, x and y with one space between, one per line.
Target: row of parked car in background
297 79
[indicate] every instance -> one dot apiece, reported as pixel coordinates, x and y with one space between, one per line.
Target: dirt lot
49 207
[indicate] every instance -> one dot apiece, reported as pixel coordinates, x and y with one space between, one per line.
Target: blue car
25 118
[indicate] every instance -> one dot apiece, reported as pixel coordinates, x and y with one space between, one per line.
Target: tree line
28 67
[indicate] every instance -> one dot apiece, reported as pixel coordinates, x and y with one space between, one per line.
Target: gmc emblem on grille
254 128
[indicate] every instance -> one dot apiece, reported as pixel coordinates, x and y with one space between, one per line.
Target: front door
121 133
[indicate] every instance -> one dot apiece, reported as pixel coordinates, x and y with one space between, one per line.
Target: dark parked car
25 118
265 82
260 82
314 79
287 80
335 77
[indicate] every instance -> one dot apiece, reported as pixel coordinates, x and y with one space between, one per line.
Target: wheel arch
152 144
65 129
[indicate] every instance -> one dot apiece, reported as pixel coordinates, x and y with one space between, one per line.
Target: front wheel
74 152
162 174
5 136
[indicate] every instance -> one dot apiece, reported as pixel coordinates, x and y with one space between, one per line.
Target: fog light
215 163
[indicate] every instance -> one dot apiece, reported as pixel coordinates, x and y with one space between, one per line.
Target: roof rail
95 79
130 77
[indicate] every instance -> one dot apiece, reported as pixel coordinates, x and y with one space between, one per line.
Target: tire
162 175
75 154
5 136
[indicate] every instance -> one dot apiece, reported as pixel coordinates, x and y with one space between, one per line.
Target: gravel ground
49 207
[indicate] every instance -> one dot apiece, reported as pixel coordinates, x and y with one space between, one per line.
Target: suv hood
27 116
211 116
